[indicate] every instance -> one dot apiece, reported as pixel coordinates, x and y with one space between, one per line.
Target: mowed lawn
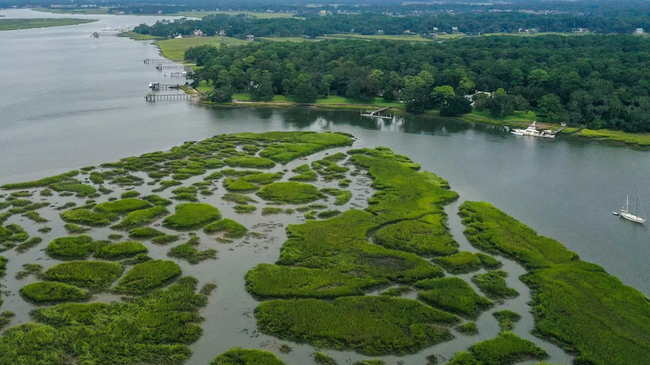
175 48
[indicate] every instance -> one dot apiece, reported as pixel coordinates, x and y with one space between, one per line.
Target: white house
639 31
250 37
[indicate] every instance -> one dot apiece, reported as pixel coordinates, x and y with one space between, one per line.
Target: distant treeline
598 81
470 23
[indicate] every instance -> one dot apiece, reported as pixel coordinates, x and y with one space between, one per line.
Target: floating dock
157 60
169 97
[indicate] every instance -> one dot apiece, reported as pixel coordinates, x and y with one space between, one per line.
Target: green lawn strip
92 275
239 356
460 263
153 329
507 319
426 236
454 295
71 247
142 217
369 325
274 281
639 139
575 303
192 216
147 276
290 193
122 206
17 24
493 285
120 250
50 292
231 228
88 217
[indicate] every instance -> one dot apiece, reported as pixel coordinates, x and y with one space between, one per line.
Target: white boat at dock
533 132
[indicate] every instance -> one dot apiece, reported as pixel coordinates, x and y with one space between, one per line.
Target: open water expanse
68 100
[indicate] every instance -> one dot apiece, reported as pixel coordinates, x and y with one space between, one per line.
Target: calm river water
68 100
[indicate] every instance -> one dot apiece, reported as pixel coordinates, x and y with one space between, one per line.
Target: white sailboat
625 211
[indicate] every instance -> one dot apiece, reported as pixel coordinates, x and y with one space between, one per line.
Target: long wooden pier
168 97
158 86
170 67
376 113
157 60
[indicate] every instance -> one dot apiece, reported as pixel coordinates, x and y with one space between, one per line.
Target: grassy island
16 24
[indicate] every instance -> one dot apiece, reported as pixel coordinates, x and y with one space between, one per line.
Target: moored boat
625 211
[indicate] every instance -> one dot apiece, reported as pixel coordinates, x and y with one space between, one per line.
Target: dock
157 60
377 113
169 97
156 86
160 67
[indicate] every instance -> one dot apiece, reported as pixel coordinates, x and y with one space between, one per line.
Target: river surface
68 100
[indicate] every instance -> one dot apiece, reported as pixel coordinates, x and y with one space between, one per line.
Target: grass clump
46 192
141 218
426 236
489 262
121 250
192 216
239 185
507 348
454 295
130 194
239 356
93 275
272 210
328 214
238 198
123 206
467 328
72 228
290 193
188 252
29 244
321 358
147 276
48 292
460 263
213 176
369 362
5 318
80 190
157 200
398 291
145 232
274 281
250 162
88 217
342 196
369 325
165 239
304 173
507 319
45 230
493 284
575 303
231 228
28 270
114 236
70 248
243 209
35 217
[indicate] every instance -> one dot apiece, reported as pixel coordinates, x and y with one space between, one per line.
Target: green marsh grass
231 228
272 210
397 291
157 200
145 233
459 263
165 239
192 216
28 270
70 248
50 292
239 356
41 183
274 281
238 198
72 228
29 244
130 194
80 190
121 250
290 193
493 284
341 196
147 276
88 217
250 162
575 303
244 209
467 328
369 325
240 185
188 252
489 262
115 236
507 348
92 275
507 319
5 318
321 358
328 214
142 217
35 217
122 206
426 236
454 295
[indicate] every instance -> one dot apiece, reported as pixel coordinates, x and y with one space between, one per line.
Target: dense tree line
597 81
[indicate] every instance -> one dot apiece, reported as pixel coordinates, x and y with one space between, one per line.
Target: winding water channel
68 100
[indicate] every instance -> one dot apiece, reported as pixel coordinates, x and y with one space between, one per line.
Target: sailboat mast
627 203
